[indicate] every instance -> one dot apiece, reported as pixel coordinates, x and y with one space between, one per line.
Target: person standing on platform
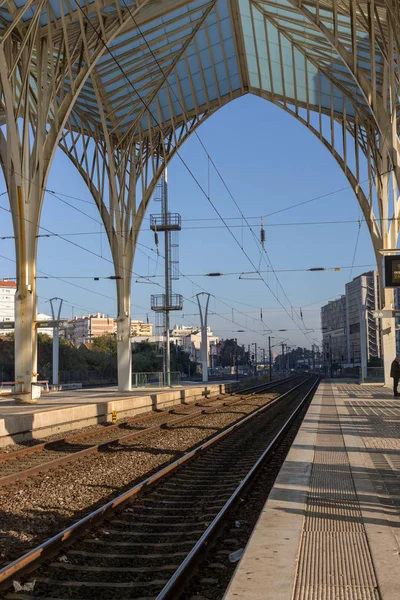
395 374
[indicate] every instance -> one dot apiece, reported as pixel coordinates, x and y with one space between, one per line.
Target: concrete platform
330 528
63 411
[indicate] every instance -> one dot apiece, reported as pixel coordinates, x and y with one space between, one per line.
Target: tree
146 358
180 360
7 357
99 357
229 350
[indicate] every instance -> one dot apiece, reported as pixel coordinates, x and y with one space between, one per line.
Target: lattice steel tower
162 304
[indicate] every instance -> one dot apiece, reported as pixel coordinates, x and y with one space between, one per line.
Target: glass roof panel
177 63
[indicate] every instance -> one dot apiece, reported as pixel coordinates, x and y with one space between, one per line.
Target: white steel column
25 296
363 338
124 350
388 337
25 197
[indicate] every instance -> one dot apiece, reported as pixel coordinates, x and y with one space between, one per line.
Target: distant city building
141 329
180 332
333 325
346 320
192 345
362 294
7 298
7 308
82 330
189 339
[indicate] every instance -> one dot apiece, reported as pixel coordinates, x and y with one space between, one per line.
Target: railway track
147 542
30 461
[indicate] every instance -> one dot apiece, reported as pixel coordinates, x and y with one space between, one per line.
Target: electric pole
237 360
55 313
204 344
270 358
167 270
164 303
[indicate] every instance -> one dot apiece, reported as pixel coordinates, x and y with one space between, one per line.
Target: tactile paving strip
334 561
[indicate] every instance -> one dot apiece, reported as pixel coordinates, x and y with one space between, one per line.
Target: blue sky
269 161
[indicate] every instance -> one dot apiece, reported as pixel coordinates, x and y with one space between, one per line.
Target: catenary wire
147 107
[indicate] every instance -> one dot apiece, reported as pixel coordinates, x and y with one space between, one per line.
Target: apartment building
348 326
82 330
141 329
362 298
333 325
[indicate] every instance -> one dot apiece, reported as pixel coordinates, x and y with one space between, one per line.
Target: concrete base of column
26 392
22 401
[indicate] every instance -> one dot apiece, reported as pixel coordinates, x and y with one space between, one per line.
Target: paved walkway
330 529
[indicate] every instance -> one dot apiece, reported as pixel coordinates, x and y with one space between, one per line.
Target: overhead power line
109 261
206 195
151 258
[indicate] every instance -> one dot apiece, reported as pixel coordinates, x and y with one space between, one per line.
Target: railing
154 379
162 223
91 377
160 303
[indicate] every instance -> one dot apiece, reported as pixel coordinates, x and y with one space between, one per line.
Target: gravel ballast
37 508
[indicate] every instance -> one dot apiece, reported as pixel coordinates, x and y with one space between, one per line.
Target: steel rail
31 560
135 419
103 446
174 587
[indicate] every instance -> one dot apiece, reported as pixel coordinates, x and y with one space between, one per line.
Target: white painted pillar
124 348
25 219
388 336
363 338
25 342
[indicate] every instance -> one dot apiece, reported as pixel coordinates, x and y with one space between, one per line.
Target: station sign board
392 271
385 314
38 324
46 324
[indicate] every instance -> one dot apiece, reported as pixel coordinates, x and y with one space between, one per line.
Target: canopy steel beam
61 82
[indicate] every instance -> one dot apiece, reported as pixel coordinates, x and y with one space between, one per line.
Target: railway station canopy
119 85
183 58
165 60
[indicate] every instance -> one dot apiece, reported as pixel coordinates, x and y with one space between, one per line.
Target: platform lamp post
203 324
55 313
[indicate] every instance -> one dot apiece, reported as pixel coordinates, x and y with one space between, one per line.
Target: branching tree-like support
122 178
369 51
42 72
120 86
